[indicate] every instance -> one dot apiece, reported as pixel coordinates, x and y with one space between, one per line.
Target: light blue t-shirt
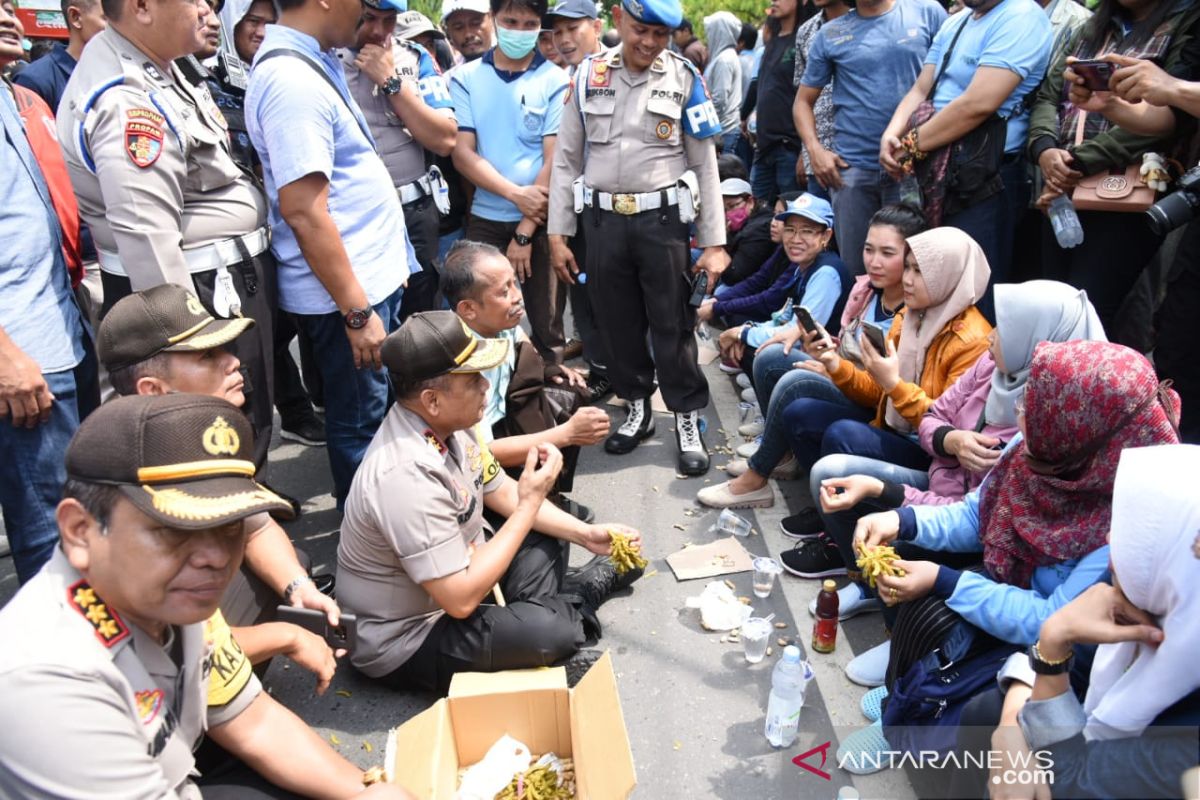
873 62
498 378
300 125
37 310
509 113
1014 35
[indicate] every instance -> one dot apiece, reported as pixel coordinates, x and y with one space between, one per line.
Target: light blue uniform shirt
509 113
1014 35
299 125
37 310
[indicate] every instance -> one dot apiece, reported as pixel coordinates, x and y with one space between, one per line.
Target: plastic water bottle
1065 222
788 682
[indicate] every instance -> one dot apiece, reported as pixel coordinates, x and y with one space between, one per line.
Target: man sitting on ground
116 658
416 560
481 286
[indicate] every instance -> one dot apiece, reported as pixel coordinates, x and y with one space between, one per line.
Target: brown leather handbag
1113 189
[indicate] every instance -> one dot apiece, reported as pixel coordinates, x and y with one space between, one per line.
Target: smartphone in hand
342 637
1095 73
875 335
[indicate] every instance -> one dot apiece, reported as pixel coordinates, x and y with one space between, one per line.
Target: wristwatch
522 239
391 86
1041 666
356 318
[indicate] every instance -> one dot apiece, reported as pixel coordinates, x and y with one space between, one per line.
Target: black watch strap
1044 667
522 239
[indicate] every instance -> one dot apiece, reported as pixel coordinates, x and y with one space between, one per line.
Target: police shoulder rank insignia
663 129
109 628
433 441
143 136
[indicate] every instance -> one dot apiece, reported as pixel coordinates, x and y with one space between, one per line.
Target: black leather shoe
578 664
597 580
638 425
598 386
308 430
693 455
577 510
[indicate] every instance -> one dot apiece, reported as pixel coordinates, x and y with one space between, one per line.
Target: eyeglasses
807 233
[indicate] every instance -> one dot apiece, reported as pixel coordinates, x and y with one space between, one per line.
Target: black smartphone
699 289
342 637
875 335
1095 73
806 320
998 447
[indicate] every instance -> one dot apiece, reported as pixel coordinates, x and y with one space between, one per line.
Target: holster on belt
688 187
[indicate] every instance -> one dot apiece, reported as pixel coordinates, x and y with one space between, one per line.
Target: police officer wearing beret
149 158
635 158
116 651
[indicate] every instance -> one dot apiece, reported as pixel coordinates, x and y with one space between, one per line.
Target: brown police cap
185 460
434 343
164 319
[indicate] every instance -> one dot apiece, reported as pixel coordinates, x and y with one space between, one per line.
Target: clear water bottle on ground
1065 222
788 682
910 190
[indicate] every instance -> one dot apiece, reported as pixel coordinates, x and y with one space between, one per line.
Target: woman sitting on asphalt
964 432
945 273
1040 517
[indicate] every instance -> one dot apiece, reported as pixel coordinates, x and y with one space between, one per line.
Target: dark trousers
1175 351
807 419
421 218
294 397
1116 248
594 352
537 628
639 280
545 297
255 283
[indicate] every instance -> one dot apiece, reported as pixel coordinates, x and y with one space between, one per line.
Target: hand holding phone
341 637
1095 73
875 335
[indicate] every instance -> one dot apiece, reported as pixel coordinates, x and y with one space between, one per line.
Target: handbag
1114 189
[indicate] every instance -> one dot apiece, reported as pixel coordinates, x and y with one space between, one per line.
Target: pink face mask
735 219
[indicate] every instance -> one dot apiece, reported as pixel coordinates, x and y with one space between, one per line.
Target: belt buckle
625 204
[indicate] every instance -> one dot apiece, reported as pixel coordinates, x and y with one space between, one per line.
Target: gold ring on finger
894 593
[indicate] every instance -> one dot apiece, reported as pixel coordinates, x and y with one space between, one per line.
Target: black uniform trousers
595 353
256 286
421 218
539 626
639 279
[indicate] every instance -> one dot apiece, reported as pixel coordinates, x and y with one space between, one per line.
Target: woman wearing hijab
964 432
937 337
1143 678
1040 517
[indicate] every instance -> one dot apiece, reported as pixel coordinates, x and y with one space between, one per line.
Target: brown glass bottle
824 637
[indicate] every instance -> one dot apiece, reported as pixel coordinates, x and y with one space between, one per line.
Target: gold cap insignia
220 439
194 306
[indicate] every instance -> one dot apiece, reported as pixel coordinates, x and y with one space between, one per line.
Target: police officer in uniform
116 647
408 109
635 157
149 158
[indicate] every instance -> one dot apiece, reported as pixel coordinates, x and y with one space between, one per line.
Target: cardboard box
534 706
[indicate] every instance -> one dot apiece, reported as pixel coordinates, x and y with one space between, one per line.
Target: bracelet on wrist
295 584
1046 666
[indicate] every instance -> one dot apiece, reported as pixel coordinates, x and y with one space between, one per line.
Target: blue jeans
808 418
729 141
355 399
769 367
863 192
774 173
33 471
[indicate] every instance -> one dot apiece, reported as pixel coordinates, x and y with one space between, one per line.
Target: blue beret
655 12
399 6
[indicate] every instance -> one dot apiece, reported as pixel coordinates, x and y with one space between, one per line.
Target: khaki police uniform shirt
148 155
413 512
95 707
623 132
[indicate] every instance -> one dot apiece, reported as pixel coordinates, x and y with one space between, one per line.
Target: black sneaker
577 510
597 580
805 525
578 664
307 430
638 425
598 386
815 558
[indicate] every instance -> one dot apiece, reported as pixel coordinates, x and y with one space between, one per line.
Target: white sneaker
749 395
743 381
851 603
752 430
870 668
749 448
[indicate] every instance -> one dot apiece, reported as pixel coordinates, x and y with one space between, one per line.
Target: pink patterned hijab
1049 499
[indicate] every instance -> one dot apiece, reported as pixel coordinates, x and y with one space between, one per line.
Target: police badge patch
143 137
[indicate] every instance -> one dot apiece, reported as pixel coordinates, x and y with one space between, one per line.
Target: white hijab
1155 551
1026 314
231 14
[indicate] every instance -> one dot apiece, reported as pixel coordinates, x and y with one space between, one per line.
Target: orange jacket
957 346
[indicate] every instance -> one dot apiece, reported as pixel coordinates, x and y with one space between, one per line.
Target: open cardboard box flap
533 706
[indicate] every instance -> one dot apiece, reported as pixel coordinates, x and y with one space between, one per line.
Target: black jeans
537 628
421 218
1175 351
594 352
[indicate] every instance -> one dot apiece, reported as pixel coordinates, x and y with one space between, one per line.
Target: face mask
735 218
516 44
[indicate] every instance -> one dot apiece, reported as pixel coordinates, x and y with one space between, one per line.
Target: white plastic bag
720 610
486 779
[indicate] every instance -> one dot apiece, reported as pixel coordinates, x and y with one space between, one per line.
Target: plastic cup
756 631
731 523
765 570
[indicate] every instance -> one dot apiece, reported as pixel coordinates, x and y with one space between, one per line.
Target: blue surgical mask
516 44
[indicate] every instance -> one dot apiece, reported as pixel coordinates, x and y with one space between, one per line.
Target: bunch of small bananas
624 556
876 561
537 783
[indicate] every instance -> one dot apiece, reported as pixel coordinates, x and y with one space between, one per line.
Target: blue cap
399 6
811 207
655 12
574 9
